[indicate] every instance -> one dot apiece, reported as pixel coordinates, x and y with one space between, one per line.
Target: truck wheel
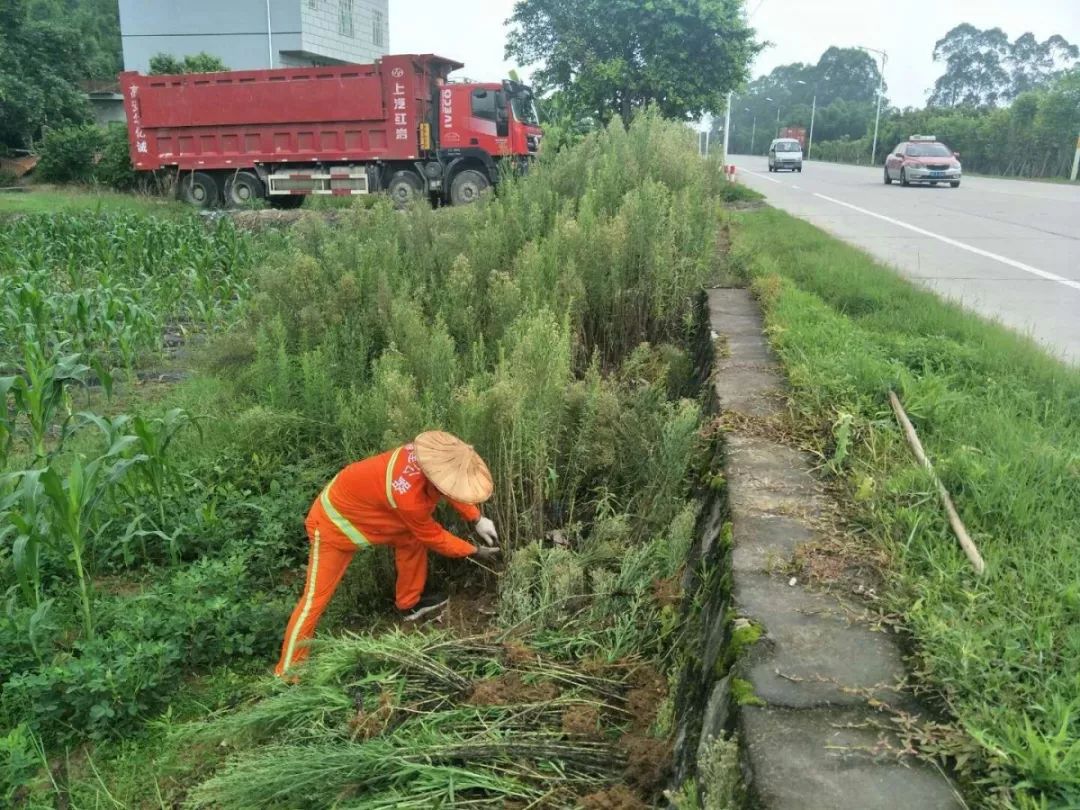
468 186
242 189
200 189
404 187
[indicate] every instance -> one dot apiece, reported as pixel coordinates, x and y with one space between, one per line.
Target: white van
785 153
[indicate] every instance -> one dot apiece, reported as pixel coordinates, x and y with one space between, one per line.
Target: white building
251 34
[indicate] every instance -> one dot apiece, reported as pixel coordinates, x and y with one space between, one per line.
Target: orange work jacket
388 499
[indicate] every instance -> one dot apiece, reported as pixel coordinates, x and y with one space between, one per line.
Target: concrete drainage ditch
779 705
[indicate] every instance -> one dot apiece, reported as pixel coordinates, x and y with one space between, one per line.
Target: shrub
89 154
201 62
208 611
20 761
69 155
114 168
103 688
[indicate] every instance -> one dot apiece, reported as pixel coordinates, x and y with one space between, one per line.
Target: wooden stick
954 518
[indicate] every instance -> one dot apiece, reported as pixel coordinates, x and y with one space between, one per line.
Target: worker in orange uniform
389 499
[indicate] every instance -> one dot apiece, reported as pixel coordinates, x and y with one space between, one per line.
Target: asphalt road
1007 249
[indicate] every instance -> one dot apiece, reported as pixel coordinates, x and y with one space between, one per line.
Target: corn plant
27 527
109 284
40 392
74 500
148 440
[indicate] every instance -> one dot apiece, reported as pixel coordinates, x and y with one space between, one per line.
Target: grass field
1001 422
53 200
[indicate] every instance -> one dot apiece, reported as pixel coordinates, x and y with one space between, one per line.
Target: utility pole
753 131
269 34
813 109
727 125
777 120
1076 159
880 93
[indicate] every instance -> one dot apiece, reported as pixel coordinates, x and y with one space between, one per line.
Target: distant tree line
1009 107
1035 136
844 81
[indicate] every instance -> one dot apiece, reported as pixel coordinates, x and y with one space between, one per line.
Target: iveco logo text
448 108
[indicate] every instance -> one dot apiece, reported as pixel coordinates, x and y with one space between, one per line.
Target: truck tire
199 189
468 186
242 189
404 188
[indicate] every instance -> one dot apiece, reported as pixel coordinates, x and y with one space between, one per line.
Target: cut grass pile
425 720
1001 421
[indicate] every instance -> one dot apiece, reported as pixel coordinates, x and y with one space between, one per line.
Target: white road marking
1027 268
764 177
794 186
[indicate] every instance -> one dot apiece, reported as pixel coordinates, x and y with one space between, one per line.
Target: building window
377 29
345 18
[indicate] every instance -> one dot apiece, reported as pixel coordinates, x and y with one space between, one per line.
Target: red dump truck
398 125
795 133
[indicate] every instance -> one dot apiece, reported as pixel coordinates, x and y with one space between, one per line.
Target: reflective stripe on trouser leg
327 565
307 599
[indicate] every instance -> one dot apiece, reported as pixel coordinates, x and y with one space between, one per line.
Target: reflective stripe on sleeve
390 478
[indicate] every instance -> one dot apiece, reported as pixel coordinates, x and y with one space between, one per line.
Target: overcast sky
472 31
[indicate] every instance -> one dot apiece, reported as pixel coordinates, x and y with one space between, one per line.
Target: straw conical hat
455 469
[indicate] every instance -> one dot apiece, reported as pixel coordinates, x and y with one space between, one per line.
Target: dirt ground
508 689
648 759
616 798
582 721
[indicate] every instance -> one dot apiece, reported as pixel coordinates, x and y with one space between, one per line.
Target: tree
563 123
974 73
850 74
98 22
1033 64
40 65
982 67
616 56
202 62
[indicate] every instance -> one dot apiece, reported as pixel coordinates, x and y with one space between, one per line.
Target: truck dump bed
292 115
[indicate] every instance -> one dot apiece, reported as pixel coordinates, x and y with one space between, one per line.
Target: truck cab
480 124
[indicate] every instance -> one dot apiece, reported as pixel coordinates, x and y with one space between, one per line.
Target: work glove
485 530
486 552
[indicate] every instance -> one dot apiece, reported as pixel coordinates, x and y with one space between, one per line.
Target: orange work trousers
329 554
